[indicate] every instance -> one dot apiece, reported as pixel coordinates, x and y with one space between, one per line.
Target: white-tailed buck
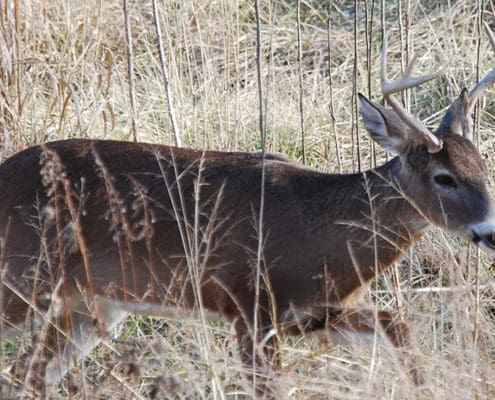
92 230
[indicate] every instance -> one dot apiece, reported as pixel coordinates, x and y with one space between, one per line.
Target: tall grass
65 73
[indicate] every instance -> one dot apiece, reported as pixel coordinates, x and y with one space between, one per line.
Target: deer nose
484 236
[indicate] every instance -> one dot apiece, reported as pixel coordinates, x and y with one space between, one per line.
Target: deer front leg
354 324
388 325
260 359
350 324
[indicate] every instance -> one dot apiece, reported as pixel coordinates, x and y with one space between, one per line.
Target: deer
92 230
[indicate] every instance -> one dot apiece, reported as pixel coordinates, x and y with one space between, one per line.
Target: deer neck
396 219
379 221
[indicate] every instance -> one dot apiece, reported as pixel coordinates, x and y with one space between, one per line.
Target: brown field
64 74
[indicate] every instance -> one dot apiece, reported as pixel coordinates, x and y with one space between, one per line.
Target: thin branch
355 110
130 69
166 79
330 89
262 192
488 80
301 88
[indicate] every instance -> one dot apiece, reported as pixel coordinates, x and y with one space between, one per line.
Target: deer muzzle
483 235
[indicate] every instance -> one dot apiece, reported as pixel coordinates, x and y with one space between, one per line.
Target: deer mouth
484 238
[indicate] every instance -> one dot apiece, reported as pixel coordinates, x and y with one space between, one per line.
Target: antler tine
406 82
487 81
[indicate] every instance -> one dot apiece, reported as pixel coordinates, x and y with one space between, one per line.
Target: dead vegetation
64 74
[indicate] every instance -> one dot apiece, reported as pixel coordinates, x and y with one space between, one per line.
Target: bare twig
330 90
355 111
487 81
368 16
262 192
166 79
301 88
130 70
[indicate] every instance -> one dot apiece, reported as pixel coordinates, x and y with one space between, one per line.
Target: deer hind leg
81 332
69 333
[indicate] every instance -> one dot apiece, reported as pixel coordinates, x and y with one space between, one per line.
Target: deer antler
433 143
488 79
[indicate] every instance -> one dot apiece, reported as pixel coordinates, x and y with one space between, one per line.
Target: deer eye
445 180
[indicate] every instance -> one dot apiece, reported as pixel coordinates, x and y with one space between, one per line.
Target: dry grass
64 74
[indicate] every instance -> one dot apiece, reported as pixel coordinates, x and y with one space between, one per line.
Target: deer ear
383 128
457 119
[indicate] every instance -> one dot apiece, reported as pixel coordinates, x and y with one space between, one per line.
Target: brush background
64 74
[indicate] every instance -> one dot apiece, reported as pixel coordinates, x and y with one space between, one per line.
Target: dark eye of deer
445 180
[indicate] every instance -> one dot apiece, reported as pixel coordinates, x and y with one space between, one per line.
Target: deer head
442 174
